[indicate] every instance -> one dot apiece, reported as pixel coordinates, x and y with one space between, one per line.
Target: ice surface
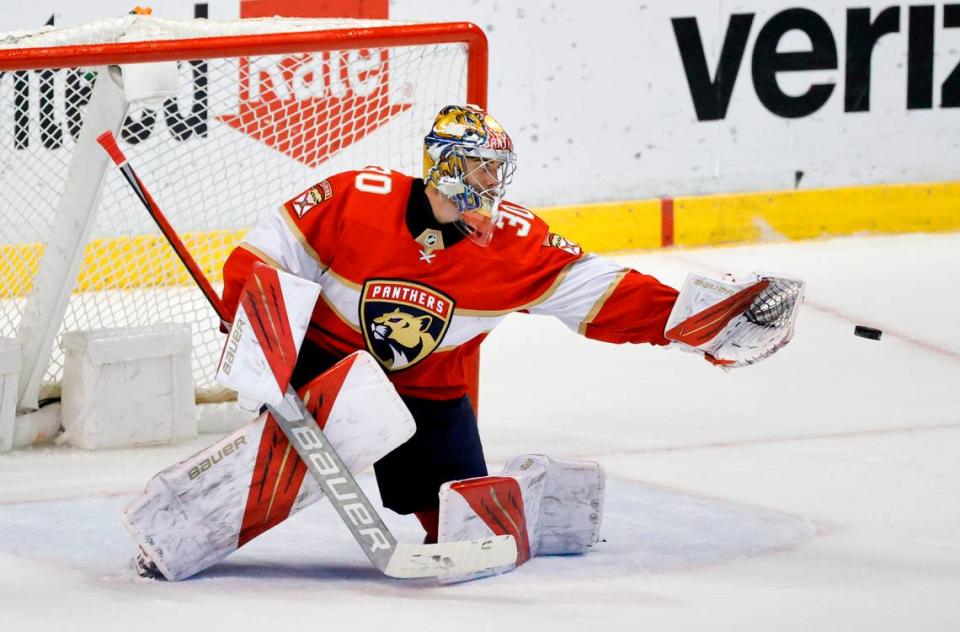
818 490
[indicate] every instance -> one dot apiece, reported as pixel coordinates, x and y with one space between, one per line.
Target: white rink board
599 104
600 107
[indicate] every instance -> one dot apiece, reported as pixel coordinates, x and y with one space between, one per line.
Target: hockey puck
867 332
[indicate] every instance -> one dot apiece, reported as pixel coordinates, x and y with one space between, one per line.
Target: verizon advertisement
638 100
695 96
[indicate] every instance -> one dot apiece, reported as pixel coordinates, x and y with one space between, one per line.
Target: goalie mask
469 158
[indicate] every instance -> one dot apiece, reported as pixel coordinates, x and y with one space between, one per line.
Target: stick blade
448 559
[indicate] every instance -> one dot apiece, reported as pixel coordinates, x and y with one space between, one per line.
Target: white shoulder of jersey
583 288
279 239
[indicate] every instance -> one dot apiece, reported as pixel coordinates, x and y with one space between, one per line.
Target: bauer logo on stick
403 322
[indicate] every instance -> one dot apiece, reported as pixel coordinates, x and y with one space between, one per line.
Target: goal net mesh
243 134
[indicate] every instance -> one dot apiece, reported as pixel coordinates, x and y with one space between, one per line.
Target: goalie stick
393 558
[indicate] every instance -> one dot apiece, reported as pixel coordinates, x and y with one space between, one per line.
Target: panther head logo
460 123
403 321
407 337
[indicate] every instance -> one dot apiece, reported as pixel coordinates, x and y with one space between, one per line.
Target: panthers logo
403 322
558 241
460 123
406 337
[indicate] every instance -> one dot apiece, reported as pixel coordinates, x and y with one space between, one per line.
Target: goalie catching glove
735 323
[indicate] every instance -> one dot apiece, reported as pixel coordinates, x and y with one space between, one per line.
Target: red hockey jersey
419 297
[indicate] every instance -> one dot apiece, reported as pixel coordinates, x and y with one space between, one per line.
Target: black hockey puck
867 332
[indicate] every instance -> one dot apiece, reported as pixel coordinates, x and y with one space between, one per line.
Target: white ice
818 490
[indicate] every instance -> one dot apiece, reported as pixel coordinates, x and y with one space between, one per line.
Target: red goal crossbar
265 44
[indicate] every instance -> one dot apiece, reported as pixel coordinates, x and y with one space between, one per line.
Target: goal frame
217 47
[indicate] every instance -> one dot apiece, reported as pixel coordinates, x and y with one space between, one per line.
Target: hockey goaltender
416 272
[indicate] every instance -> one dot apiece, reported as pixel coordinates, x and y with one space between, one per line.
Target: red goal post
258 110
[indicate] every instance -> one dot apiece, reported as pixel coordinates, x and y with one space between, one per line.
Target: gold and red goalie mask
469 158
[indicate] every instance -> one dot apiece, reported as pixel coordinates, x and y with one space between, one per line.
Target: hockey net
260 110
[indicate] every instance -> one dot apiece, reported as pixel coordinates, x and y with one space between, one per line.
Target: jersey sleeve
299 237
599 298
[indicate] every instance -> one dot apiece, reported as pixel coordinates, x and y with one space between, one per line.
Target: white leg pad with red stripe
195 513
550 506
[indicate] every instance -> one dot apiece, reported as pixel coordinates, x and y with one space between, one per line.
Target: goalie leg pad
550 506
571 503
189 515
193 514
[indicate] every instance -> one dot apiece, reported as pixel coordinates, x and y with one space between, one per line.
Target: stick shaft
109 143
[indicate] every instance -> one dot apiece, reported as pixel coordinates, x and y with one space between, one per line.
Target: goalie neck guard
469 158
